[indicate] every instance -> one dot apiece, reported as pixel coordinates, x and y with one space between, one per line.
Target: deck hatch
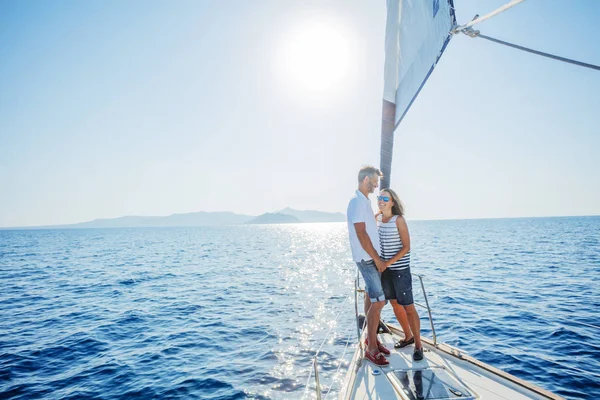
432 383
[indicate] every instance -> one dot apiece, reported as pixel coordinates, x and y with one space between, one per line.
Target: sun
316 57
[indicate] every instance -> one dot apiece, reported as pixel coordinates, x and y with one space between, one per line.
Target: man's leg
367 304
373 325
402 319
374 302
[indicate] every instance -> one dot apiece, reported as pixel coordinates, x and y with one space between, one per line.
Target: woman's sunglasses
384 198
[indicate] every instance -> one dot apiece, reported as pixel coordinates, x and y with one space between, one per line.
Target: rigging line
339 366
336 317
331 327
473 33
536 311
307 383
479 19
483 335
541 357
324 340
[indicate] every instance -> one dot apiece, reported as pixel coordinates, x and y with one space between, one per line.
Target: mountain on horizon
188 219
201 218
275 218
314 216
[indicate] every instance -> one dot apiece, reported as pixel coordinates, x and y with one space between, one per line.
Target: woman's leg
402 319
415 324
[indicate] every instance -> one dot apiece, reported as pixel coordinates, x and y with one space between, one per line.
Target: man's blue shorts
372 278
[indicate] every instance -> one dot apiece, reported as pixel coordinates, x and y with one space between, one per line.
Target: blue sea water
238 312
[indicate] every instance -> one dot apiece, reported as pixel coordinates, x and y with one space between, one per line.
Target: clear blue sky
112 108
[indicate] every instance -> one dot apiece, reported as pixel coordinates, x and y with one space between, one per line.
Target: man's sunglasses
384 198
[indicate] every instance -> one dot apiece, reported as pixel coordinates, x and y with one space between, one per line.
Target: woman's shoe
418 354
404 343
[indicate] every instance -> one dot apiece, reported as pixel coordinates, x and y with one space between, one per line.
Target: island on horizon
286 216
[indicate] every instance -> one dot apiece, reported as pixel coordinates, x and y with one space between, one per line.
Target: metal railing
357 290
428 309
426 306
317 383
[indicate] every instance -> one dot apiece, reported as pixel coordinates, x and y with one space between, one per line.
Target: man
364 242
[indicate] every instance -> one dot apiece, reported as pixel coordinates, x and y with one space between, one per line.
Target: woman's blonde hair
397 207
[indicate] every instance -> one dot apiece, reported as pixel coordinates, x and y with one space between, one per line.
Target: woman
396 279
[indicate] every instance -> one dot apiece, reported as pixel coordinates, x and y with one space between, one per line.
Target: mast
387 142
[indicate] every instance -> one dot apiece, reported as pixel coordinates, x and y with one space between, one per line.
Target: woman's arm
405 237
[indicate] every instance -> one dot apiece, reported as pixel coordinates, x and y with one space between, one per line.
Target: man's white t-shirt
359 210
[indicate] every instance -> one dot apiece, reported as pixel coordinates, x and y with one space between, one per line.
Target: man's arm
365 242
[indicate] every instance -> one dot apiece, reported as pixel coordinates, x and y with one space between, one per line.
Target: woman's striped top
389 239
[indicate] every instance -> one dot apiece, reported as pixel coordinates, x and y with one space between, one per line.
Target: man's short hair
368 170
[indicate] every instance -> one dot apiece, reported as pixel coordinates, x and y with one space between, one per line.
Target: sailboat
417 33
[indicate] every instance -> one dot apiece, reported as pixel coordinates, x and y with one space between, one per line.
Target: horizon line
63 226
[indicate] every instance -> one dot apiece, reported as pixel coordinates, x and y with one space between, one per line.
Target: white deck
468 378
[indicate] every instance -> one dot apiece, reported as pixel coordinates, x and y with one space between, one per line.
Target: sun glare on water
316 57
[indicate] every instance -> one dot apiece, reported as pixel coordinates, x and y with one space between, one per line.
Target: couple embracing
380 246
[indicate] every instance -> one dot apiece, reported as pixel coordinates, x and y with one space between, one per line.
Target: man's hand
380 264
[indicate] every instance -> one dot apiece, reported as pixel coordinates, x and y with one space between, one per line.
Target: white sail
417 33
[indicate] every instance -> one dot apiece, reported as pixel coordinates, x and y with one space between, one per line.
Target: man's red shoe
377 359
381 347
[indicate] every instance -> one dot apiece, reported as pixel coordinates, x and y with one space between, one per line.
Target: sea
239 312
